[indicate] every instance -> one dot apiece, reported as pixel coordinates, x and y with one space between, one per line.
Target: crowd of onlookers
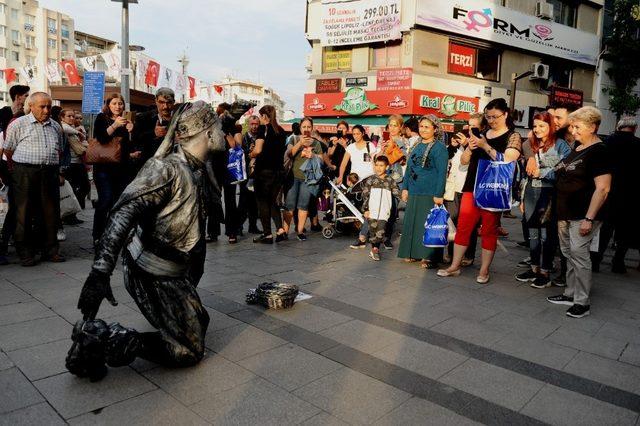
574 191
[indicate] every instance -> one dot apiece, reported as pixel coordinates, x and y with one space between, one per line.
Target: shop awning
370 124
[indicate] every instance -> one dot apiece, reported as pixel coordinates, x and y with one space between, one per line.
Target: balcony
29 27
52 30
15 42
64 33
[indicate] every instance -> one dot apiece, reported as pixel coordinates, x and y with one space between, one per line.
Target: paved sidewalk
379 342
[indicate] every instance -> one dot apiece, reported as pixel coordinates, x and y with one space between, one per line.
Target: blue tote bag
436 228
492 191
236 167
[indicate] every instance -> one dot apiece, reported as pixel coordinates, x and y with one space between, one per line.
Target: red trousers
468 219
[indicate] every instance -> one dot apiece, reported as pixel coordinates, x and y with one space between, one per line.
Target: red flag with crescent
153 71
218 89
10 75
192 87
71 71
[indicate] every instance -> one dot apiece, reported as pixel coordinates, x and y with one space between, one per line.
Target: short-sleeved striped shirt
33 142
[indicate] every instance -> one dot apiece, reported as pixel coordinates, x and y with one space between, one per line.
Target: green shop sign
355 102
447 104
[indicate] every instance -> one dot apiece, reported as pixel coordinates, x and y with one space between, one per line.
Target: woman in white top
361 154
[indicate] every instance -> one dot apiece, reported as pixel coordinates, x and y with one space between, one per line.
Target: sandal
466 262
482 279
410 260
425 264
445 273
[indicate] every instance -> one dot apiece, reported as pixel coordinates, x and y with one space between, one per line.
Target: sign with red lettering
328 85
462 59
564 96
394 79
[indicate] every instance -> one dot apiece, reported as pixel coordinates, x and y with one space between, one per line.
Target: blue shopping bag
436 228
236 167
493 184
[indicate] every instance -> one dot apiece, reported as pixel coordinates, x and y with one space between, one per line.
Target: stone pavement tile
468 311
289 366
65 304
379 285
37 362
72 396
189 385
602 370
510 288
352 396
310 317
16 391
619 316
152 408
330 288
583 341
511 323
556 314
56 282
526 308
376 302
454 293
5 361
32 333
535 350
220 321
420 357
25 311
13 295
362 336
494 384
416 314
17 274
417 411
469 331
558 406
253 403
39 414
631 354
258 317
619 332
241 341
293 277
305 339
324 419
221 304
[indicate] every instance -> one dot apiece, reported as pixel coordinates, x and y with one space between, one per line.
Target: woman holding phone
360 153
111 178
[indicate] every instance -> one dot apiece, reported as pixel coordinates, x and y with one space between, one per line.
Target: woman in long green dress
422 187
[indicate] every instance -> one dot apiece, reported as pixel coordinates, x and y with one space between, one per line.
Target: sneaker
358 244
61 236
281 237
541 282
387 245
525 263
263 239
302 237
578 311
560 281
374 254
560 299
526 276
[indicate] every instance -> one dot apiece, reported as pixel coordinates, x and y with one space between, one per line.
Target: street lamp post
514 81
124 48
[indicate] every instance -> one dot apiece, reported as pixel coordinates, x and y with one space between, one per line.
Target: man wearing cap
159 224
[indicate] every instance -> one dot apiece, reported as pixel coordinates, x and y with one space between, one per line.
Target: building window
64 46
31 60
3 8
64 30
52 61
3 30
336 59
52 43
386 55
15 56
52 26
29 42
29 22
564 12
4 96
488 64
3 52
14 13
559 75
15 37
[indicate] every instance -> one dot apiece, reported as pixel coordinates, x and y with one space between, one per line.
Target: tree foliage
623 52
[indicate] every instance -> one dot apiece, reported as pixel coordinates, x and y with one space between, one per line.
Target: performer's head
196 128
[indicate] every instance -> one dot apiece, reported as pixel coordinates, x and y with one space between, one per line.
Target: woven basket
273 295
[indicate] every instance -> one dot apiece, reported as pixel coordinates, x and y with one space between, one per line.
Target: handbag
494 180
108 153
236 167
436 228
68 202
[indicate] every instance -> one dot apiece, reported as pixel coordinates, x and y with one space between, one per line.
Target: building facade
234 89
32 37
374 58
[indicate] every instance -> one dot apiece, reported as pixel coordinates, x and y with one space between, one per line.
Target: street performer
160 222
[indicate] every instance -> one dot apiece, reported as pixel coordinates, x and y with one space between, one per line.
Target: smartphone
339 134
385 136
366 157
307 133
475 131
130 116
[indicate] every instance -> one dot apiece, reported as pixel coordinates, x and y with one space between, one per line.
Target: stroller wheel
328 232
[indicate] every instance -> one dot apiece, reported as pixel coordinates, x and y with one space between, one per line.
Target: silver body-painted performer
159 221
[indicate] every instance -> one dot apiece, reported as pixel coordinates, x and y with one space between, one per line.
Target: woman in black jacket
111 178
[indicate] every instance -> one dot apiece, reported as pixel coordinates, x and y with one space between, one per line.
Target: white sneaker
61 235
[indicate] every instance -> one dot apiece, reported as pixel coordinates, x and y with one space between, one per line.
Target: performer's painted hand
95 289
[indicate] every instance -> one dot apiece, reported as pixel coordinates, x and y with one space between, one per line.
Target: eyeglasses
492 117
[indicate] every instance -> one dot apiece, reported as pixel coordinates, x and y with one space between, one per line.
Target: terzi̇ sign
485 20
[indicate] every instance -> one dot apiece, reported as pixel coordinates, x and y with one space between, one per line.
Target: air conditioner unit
539 71
544 10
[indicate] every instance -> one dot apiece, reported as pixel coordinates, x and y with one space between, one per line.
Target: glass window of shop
386 55
488 64
336 59
559 75
564 12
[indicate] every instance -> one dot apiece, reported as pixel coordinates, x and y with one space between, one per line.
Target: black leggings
267 184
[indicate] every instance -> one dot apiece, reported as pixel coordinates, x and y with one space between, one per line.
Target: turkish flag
218 89
69 67
10 75
153 71
192 87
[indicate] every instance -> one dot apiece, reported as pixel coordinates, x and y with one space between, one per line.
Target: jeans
575 248
542 247
300 195
37 199
267 184
110 182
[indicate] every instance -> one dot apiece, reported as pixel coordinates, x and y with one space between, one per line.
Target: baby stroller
344 209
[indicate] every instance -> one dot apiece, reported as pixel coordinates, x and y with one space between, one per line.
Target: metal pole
512 98
124 78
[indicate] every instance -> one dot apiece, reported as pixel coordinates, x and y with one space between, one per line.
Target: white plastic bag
68 203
